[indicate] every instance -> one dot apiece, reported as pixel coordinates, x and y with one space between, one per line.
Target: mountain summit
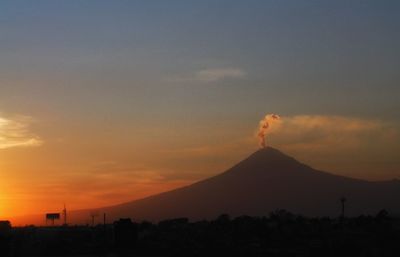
266 159
263 182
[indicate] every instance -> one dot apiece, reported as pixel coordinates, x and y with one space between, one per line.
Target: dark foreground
280 234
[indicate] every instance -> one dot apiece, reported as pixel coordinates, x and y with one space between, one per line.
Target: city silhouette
199 128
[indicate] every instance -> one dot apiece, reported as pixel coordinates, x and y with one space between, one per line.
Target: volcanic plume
264 125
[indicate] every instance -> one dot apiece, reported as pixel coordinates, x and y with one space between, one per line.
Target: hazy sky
107 101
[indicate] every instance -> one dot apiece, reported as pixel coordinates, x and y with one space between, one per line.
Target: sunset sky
103 102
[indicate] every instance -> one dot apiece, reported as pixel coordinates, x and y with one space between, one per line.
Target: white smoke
264 125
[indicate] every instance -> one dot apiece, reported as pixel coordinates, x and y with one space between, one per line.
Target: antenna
65 215
93 215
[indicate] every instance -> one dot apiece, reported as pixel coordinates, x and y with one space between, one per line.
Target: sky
103 102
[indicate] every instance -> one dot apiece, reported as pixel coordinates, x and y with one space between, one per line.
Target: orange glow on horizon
101 170
21 213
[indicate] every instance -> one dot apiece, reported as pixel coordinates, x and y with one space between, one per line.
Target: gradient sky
107 101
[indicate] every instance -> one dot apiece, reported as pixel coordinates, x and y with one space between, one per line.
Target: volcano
266 181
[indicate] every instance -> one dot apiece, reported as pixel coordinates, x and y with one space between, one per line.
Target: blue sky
93 82
338 57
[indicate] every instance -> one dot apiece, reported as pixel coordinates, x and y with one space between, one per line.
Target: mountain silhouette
266 181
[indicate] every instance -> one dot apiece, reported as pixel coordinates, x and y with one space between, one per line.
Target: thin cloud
312 132
212 75
14 132
349 146
104 188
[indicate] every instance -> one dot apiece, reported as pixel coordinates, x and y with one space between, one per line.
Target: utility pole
93 215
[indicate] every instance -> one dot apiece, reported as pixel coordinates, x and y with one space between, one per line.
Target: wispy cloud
14 132
110 184
212 75
349 146
144 174
317 132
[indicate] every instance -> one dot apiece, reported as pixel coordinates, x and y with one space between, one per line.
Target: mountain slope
267 180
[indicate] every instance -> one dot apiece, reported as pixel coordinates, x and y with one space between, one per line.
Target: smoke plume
264 125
